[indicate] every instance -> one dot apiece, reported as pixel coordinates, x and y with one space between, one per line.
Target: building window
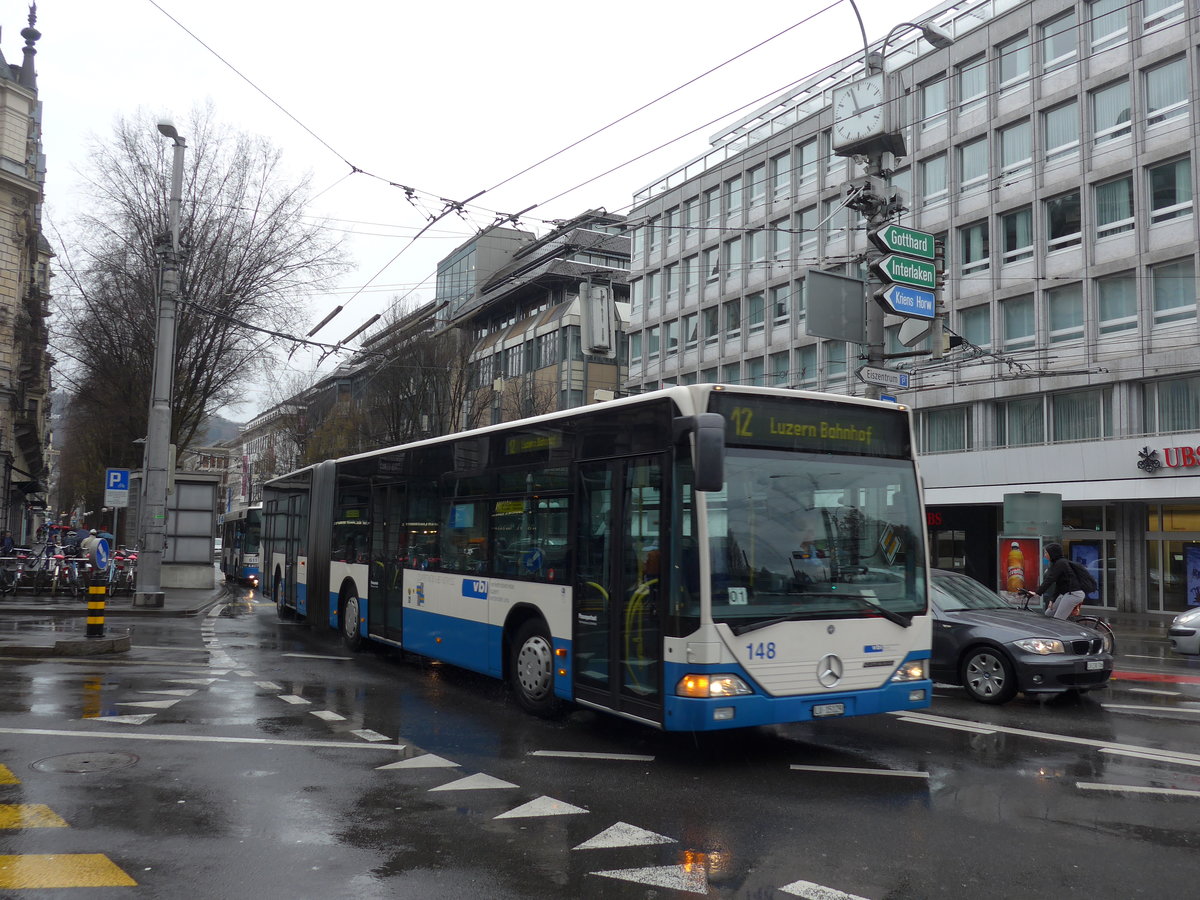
635 347
1058 42
833 162
972 83
732 373
1174 286
652 342
781 304
946 430
691 275
757 241
779 369
1020 327
671 224
671 279
1170 190
975 325
671 337
653 286
712 210
638 244
835 216
806 162
709 376
781 240
1172 405
756 313
1060 131
781 175
712 264
653 235
1166 91
1110 22
733 259
1159 12
691 216
1116 297
806 366
637 290
933 104
690 334
733 320
1063 222
973 165
835 361
1114 206
1012 62
800 298
757 181
733 195
710 319
1081 415
1110 113
933 181
756 371
1022 422
974 245
1064 313
806 231
1018 234
1016 148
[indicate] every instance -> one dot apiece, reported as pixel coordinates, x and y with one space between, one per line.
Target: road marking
327 714
974 729
182 692
1130 707
1153 691
476 782
679 878
317 656
204 681
1135 789
1187 759
1164 677
580 754
849 770
196 738
294 699
29 815
61 870
368 735
624 835
542 806
148 704
1150 755
812 891
140 719
7 776
268 685
427 761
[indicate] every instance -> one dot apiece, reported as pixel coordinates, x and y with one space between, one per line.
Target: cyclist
1060 585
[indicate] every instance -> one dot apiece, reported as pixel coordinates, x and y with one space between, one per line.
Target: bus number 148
761 650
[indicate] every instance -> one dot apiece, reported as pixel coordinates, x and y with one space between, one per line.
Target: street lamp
158 436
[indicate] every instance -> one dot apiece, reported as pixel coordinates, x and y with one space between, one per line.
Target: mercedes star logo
829 670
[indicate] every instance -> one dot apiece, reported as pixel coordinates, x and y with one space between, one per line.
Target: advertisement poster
1191 559
1020 563
1087 554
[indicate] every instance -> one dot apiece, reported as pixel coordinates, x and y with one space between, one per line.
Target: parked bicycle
122 572
15 571
1096 623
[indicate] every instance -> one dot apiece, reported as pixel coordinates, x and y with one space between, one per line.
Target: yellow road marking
29 815
7 776
61 870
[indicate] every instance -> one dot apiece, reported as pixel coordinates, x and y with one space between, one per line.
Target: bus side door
617 615
385 604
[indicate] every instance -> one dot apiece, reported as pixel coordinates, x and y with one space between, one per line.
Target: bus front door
617 616
385 605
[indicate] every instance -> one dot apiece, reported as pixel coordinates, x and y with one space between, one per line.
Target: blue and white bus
700 557
241 534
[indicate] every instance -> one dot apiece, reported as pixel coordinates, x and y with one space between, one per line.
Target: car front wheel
988 676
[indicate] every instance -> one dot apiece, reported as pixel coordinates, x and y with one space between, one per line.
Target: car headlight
1041 646
1191 617
702 685
913 670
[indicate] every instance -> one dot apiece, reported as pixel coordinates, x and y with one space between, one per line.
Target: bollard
97 590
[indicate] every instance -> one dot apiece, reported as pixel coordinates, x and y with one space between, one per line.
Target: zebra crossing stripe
61 870
29 815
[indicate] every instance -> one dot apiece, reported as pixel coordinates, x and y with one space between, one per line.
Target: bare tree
249 259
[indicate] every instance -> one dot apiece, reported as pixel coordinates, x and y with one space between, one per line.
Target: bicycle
1097 623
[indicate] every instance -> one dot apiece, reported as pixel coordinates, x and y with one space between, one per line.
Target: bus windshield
252 536
815 536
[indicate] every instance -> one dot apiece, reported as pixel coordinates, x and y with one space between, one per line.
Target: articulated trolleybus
696 558
241 531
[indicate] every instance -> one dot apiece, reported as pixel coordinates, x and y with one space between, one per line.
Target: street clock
861 118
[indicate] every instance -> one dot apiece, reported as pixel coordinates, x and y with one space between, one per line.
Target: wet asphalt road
236 756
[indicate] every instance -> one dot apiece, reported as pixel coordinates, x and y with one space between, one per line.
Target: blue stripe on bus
463 642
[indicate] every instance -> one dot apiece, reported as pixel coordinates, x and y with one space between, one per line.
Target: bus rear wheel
350 615
531 670
285 613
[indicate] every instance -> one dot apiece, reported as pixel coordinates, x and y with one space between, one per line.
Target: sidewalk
57 626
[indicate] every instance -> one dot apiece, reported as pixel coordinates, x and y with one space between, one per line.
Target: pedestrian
6 543
1060 588
87 547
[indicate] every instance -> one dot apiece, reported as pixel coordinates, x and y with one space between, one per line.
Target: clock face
858 111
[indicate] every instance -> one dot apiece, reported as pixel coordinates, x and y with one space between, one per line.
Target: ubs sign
1172 458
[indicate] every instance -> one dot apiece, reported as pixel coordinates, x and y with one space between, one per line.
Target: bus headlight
915 670
723 685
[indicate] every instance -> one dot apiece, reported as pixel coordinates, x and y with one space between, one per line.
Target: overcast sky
451 98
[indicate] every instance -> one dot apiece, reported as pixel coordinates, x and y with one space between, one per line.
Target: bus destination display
802 424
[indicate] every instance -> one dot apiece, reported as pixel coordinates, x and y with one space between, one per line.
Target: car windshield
803 536
957 592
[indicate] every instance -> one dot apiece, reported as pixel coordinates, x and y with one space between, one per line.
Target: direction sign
903 270
907 301
886 377
116 487
898 239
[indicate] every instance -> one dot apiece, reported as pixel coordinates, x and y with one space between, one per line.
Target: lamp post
158 435
868 132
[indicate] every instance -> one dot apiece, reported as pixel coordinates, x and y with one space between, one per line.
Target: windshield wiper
800 614
895 617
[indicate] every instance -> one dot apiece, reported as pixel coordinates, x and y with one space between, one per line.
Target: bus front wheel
350 614
531 669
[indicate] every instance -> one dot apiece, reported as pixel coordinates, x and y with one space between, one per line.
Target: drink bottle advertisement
1020 564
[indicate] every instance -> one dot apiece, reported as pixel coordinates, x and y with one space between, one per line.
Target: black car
994 649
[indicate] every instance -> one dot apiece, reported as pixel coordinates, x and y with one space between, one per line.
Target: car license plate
829 709
1095 664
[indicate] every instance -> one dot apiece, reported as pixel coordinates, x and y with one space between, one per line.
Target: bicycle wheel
1098 624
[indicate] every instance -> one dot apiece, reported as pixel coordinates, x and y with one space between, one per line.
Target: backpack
1086 582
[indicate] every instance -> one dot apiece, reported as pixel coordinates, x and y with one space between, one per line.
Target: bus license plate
1095 664
829 709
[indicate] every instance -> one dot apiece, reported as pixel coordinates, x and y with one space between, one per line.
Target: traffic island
115 640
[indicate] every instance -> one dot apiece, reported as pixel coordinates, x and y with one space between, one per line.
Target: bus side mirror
708 448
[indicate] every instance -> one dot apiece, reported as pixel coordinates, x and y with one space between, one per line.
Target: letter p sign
116 487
